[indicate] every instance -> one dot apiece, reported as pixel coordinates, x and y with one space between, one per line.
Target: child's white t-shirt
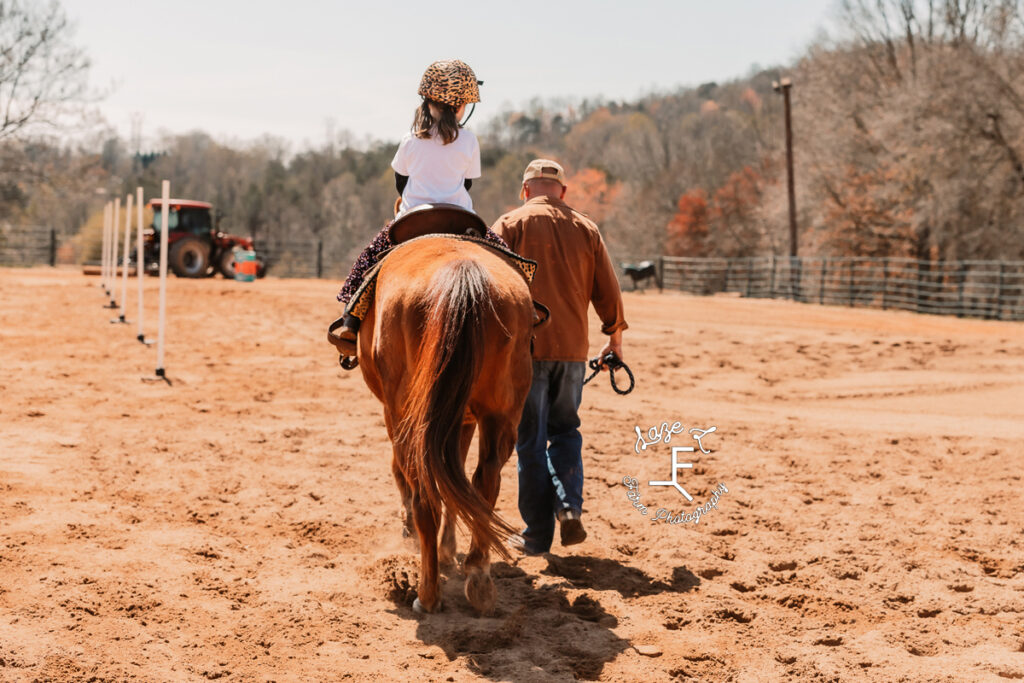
437 172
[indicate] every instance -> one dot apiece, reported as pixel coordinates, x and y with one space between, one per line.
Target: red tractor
195 247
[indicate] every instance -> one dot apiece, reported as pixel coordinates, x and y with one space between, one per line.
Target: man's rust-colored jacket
573 270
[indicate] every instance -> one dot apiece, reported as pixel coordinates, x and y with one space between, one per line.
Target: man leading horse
446 347
574 270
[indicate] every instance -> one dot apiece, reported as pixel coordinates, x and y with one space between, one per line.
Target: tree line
909 141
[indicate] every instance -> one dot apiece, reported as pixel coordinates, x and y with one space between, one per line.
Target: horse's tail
450 360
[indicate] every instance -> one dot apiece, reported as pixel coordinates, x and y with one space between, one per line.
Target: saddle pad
363 297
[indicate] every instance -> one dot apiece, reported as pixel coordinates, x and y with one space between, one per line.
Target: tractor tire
190 257
226 263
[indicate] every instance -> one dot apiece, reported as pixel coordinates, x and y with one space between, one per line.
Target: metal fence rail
27 246
292 258
984 289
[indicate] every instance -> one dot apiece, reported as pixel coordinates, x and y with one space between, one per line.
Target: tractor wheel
190 257
226 263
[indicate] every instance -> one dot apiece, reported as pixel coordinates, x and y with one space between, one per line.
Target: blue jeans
549 447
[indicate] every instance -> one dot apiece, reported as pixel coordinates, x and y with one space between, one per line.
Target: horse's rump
451 339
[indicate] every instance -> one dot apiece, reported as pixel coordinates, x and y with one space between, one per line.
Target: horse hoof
419 608
480 592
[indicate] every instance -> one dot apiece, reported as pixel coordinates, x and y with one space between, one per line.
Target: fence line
292 258
27 246
985 289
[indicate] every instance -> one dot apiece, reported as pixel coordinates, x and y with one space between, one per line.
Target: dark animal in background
641 272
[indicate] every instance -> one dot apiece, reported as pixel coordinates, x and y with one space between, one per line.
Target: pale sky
239 70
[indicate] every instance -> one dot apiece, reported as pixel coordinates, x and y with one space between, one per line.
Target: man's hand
614 346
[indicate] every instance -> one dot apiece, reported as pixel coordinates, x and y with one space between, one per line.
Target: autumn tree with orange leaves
688 229
591 193
727 224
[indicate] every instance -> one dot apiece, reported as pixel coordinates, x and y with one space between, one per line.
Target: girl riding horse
436 162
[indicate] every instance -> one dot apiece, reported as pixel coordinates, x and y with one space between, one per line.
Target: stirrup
346 347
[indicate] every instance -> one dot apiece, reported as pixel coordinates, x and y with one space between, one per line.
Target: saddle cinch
431 220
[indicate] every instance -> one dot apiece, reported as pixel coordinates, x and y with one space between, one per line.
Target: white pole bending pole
113 250
139 255
124 261
165 196
105 252
110 227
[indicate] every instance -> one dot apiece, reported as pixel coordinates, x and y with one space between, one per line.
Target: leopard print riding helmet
450 81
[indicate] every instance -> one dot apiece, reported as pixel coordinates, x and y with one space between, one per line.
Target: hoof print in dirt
393 578
736 615
782 566
830 641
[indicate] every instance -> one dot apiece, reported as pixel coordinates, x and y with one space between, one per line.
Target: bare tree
42 72
913 129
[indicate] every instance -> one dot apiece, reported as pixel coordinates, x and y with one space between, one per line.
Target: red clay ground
242 523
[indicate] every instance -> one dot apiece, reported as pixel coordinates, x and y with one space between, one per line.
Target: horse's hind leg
446 549
427 517
446 554
497 437
401 481
408 526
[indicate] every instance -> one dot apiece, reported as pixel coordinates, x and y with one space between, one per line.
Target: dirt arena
242 523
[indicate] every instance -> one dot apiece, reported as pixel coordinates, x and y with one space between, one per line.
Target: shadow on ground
548 632
605 574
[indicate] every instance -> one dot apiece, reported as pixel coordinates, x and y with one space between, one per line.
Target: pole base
112 304
142 340
160 377
118 320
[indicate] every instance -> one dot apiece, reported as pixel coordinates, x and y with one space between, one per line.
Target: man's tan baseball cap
542 168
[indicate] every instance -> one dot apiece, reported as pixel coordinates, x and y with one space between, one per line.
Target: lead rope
613 363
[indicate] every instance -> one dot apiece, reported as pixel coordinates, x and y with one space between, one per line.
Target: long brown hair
425 126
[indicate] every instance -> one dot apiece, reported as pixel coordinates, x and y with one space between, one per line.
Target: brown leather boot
571 527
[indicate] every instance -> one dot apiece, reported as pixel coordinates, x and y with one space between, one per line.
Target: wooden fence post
961 270
53 247
750 268
771 282
320 258
849 283
821 287
917 287
885 283
797 278
999 293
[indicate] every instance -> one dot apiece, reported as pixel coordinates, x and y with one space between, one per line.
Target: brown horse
446 347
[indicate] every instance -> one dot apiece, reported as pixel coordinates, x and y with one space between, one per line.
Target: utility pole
784 86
